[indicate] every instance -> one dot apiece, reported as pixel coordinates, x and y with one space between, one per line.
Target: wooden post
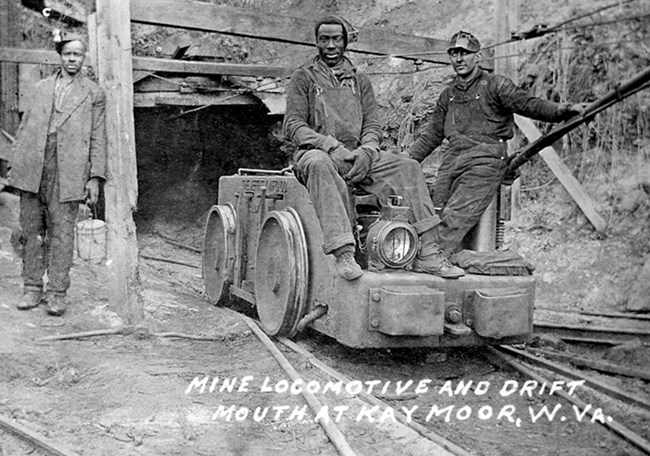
506 22
9 37
114 68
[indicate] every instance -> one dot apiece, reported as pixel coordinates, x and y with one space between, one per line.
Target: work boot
29 300
55 305
347 267
431 260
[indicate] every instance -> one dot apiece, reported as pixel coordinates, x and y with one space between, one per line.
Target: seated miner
475 113
59 158
331 117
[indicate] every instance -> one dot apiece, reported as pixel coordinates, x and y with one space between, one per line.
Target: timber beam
228 20
150 64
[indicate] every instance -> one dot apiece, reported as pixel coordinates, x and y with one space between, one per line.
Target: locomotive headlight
394 243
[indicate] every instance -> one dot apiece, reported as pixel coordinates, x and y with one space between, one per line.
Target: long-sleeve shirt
327 106
482 109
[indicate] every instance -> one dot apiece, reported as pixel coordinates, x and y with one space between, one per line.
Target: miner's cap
464 40
67 38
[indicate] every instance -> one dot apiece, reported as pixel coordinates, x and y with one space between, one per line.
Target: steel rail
593 332
423 431
571 373
333 433
43 443
623 315
612 425
601 366
373 400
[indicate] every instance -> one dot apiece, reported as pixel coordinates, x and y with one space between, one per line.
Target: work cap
62 38
349 32
464 40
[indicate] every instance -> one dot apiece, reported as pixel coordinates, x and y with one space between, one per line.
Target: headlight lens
397 244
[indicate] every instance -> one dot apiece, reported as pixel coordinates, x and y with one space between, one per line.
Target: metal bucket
91 239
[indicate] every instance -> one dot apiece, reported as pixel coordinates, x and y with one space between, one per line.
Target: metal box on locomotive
263 244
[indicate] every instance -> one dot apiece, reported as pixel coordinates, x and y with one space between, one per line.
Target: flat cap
464 40
61 39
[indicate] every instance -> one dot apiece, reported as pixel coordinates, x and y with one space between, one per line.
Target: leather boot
431 260
347 267
29 300
55 305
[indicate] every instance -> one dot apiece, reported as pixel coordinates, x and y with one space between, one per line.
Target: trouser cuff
338 242
426 224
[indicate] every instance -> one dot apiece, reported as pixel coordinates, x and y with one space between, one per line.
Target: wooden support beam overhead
115 76
264 25
151 64
190 67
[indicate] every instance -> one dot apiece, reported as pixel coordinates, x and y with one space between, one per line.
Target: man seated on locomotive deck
475 113
331 116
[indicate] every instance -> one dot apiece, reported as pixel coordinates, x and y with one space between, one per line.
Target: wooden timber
588 206
9 98
43 443
151 64
275 27
115 75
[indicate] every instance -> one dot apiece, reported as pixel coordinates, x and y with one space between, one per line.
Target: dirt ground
120 394
123 395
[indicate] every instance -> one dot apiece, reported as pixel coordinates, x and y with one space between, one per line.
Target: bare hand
577 108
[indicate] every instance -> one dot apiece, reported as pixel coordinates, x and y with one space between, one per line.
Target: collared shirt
62 88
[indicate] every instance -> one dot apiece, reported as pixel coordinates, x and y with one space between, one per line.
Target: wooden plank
92 40
505 63
190 67
152 64
275 27
601 366
55 448
588 206
37 56
157 99
571 373
9 36
615 426
114 68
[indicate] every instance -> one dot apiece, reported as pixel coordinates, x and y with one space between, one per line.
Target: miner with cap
331 117
475 114
58 160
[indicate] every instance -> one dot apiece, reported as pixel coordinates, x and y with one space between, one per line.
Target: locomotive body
263 244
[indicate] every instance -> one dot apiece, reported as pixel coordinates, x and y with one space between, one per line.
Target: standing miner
331 117
475 113
59 159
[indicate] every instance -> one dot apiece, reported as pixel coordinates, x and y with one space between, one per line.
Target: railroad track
585 332
505 355
607 328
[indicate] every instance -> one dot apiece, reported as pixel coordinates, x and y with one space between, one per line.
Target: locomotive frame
263 243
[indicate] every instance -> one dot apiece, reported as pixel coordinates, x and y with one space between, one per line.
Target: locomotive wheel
219 253
281 273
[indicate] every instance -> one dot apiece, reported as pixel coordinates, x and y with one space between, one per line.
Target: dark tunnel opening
180 159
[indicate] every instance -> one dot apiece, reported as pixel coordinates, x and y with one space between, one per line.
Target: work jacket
322 106
481 110
80 136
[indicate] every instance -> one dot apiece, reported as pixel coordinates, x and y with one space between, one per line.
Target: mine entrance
180 158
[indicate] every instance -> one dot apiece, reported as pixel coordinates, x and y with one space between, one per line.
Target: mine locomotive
263 245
